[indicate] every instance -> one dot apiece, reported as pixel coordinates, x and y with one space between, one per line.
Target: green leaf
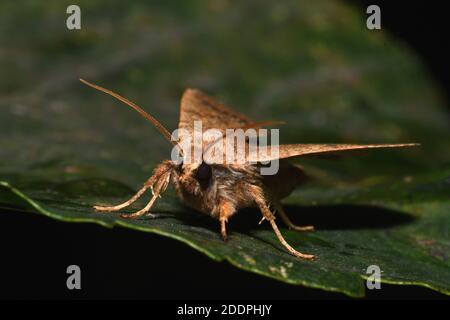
65 147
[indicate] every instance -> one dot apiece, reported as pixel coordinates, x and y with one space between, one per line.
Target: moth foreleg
288 221
125 204
142 211
158 185
157 182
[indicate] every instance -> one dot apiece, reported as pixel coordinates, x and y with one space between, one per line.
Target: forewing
295 150
197 106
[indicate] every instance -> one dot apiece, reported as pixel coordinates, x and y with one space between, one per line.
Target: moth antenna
155 122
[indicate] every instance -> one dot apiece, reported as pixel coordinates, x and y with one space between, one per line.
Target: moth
219 189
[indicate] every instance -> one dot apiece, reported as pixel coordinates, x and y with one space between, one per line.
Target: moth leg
162 170
158 185
271 218
268 215
142 211
288 221
125 204
226 210
223 228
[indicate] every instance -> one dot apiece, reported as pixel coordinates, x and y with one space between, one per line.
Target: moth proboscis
221 189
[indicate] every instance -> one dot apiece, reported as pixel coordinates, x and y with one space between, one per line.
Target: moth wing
198 106
295 150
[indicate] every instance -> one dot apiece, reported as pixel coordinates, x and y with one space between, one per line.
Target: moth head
196 178
212 180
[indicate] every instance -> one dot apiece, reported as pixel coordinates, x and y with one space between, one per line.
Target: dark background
33 265
423 25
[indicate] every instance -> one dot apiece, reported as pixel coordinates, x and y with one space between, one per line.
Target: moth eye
204 172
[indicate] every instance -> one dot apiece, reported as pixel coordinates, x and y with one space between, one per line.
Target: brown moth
220 190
